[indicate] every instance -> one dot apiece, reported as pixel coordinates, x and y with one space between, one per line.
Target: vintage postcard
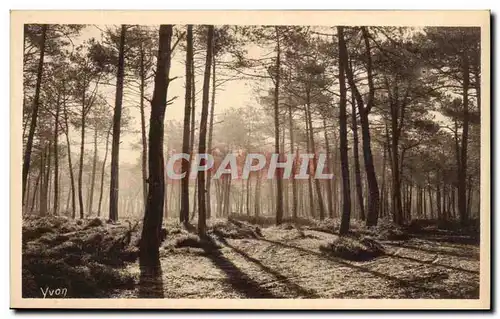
250 159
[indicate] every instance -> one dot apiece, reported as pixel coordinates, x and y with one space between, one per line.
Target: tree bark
355 150
329 167
92 178
210 136
115 145
56 157
279 177
203 134
103 170
346 204
153 217
144 157
315 162
184 212
70 165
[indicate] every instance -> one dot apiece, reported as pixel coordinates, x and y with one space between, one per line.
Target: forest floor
243 260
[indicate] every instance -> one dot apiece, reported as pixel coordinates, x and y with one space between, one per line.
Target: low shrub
353 249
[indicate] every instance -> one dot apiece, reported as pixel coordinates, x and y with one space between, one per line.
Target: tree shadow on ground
433 263
281 278
458 239
190 227
235 277
472 256
151 281
397 282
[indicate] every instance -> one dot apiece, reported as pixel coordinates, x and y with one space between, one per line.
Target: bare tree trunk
203 134
153 217
34 112
144 157
92 178
71 173
210 135
103 170
329 168
33 200
357 170
294 181
279 177
56 157
115 145
346 210
309 179
184 212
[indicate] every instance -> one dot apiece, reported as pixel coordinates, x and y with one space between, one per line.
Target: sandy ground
288 264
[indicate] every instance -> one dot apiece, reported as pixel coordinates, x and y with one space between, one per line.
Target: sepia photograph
250 160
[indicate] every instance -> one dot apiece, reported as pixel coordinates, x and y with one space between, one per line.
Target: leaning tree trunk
34 112
153 217
364 111
184 212
115 145
203 133
346 204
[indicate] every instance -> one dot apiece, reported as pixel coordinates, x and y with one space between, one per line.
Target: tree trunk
34 112
184 212
144 157
92 178
279 177
56 158
315 162
346 209
103 170
309 178
210 135
153 216
115 145
71 174
462 169
357 170
329 168
203 134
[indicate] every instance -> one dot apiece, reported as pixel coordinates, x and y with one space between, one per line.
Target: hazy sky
241 94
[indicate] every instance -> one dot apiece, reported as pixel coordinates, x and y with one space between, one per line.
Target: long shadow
236 278
398 281
151 281
434 251
451 238
434 264
291 285
190 227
